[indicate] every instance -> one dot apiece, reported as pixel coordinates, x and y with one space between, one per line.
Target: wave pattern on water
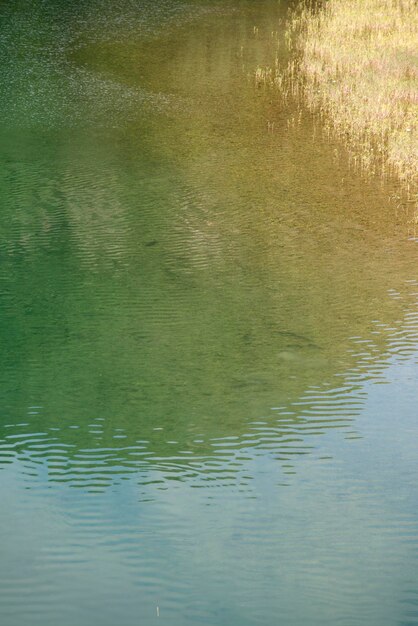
198 460
208 334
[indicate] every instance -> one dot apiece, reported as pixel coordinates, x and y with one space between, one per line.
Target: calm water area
209 334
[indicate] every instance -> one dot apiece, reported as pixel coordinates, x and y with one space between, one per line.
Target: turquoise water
209 332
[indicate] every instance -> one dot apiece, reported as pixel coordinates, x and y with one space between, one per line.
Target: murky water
209 332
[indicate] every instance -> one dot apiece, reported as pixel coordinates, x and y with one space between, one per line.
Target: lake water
209 334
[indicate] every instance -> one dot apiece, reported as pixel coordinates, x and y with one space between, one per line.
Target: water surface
209 333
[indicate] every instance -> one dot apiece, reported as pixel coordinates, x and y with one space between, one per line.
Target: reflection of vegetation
187 271
359 66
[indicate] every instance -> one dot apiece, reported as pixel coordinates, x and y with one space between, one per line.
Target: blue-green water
209 334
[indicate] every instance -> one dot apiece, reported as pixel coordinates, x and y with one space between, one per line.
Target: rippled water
209 332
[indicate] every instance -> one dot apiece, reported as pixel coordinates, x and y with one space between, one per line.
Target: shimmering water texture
209 331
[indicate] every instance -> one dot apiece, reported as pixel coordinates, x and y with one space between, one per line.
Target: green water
209 333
